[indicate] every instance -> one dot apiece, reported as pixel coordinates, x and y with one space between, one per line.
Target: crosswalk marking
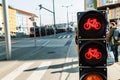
65 36
16 72
37 74
8 66
68 36
60 37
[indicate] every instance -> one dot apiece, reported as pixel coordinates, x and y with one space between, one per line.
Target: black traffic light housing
92 27
92 24
92 53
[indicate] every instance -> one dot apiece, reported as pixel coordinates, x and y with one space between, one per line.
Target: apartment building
113 7
18 20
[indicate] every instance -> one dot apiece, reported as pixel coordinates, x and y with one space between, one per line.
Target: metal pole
85 5
35 36
7 30
34 24
40 23
67 18
54 18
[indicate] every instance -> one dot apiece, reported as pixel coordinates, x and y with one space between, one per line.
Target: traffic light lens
93 76
92 23
93 53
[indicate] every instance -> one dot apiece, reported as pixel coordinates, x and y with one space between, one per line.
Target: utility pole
51 12
7 30
40 22
54 18
67 15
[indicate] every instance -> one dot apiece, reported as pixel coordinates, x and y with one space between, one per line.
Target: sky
47 17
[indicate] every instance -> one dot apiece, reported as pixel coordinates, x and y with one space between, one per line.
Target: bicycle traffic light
92 44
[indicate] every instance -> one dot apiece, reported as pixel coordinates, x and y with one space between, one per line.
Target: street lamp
40 19
67 14
54 18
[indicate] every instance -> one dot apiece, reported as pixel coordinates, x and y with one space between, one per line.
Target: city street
53 58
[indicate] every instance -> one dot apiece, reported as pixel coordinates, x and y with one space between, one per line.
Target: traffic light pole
40 22
51 12
7 30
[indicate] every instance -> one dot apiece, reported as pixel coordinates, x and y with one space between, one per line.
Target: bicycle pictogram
92 23
93 53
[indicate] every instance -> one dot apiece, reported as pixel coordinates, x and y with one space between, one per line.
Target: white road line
38 74
64 36
67 60
8 66
60 37
45 43
68 36
16 72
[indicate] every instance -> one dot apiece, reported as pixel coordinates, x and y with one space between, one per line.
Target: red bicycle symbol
92 23
93 53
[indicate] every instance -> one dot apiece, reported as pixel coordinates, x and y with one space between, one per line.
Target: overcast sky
47 17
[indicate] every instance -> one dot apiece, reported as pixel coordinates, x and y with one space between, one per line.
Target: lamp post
7 31
67 15
54 18
40 20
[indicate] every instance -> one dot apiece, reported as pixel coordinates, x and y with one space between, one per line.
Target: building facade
113 7
18 20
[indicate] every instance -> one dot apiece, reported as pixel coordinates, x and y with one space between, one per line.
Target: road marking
45 43
64 36
8 66
68 36
65 75
60 37
16 72
38 74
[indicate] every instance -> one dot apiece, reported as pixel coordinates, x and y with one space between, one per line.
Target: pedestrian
76 39
112 39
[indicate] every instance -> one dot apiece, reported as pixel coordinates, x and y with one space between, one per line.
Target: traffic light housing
92 24
92 44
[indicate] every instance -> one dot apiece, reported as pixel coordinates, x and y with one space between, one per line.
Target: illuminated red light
93 76
92 23
93 53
